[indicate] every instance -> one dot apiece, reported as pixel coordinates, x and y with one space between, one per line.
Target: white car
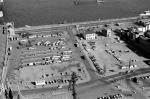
1 13
133 66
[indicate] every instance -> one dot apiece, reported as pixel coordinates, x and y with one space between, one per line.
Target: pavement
139 94
4 72
89 65
80 52
78 23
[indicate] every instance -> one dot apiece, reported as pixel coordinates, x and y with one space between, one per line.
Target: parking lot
110 55
44 59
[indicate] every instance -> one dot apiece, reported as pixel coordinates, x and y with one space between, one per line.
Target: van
123 67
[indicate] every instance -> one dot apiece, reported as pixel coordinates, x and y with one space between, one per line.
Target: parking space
45 59
108 53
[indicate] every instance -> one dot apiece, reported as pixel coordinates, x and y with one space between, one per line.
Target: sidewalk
4 57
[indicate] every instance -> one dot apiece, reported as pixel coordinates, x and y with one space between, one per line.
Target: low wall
72 24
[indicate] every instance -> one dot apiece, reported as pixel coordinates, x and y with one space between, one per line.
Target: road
97 83
5 68
111 79
138 94
129 19
79 51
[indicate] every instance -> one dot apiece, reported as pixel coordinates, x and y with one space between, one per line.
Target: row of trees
8 93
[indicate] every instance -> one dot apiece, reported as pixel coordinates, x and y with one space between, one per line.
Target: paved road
111 79
5 68
79 51
138 94
129 19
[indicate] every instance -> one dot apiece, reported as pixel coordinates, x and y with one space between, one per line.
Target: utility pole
20 96
72 85
130 63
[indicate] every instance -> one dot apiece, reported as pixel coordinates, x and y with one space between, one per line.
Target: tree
6 94
10 94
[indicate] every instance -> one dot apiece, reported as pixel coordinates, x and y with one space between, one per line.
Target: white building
146 13
142 29
109 32
148 26
90 36
42 82
11 31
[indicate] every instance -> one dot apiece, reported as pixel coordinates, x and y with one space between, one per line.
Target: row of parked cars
66 58
116 96
92 44
30 36
52 82
136 79
49 43
57 81
49 60
99 70
143 77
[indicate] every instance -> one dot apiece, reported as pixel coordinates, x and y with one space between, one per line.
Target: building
145 23
147 34
144 43
148 26
42 82
1 14
142 29
135 32
11 31
90 36
107 32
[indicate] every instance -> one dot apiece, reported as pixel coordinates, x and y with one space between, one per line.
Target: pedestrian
3 30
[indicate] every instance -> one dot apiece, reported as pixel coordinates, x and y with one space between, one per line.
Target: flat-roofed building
89 34
142 29
107 32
